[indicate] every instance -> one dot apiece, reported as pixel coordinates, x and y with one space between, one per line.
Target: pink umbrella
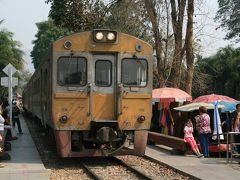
170 95
214 97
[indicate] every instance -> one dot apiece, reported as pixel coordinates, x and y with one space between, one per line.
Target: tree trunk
151 11
177 24
189 47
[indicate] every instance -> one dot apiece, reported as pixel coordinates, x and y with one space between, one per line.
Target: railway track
97 172
103 168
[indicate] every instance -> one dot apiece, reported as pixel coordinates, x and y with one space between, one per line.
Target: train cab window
72 71
103 73
134 72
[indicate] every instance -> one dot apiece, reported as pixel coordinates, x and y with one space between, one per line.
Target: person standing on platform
188 137
203 126
15 113
11 135
236 128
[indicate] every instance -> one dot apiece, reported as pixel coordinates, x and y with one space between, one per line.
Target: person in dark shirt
230 121
5 115
233 125
15 118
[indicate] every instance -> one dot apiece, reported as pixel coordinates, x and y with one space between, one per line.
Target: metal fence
231 144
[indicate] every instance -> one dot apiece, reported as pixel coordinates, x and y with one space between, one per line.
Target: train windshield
103 73
134 72
72 71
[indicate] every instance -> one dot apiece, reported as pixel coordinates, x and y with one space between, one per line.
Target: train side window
103 73
134 72
72 71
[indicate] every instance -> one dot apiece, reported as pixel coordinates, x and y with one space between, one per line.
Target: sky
206 29
20 17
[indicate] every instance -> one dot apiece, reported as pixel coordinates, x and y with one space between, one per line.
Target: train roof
83 41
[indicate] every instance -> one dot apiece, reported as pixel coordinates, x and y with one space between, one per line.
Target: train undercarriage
100 141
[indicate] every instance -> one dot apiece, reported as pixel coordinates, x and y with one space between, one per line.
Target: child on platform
188 137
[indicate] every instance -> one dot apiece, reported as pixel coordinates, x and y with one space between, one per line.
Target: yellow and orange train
94 91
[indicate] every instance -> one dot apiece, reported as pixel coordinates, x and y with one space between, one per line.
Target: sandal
200 155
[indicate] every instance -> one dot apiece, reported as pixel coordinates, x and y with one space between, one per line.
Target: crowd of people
6 126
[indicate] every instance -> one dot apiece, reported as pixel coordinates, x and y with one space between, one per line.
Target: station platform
25 163
197 168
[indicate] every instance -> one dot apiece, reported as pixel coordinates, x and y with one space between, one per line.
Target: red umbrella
214 97
170 95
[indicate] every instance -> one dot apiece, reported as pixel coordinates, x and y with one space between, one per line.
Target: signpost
9 82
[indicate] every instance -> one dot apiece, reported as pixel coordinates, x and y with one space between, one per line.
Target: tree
23 78
229 17
46 35
189 47
10 52
223 72
97 14
202 81
78 15
177 15
158 44
132 12
167 20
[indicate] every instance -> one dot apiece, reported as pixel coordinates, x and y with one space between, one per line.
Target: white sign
14 81
8 67
5 83
10 82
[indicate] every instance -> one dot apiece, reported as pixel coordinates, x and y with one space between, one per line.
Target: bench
170 141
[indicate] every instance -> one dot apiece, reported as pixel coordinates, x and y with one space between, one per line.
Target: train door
104 88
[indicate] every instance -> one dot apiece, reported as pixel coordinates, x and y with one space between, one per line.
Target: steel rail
132 169
91 173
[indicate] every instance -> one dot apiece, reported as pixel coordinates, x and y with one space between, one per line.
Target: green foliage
80 15
47 33
224 71
23 78
229 17
77 15
129 17
10 52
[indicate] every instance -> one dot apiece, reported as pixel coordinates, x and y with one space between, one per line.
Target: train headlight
63 119
104 36
110 36
141 118
99 36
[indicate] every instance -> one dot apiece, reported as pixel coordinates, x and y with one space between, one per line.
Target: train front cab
101 95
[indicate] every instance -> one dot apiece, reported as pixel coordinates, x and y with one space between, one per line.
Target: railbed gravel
108 170
58 168
70 168
152 169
